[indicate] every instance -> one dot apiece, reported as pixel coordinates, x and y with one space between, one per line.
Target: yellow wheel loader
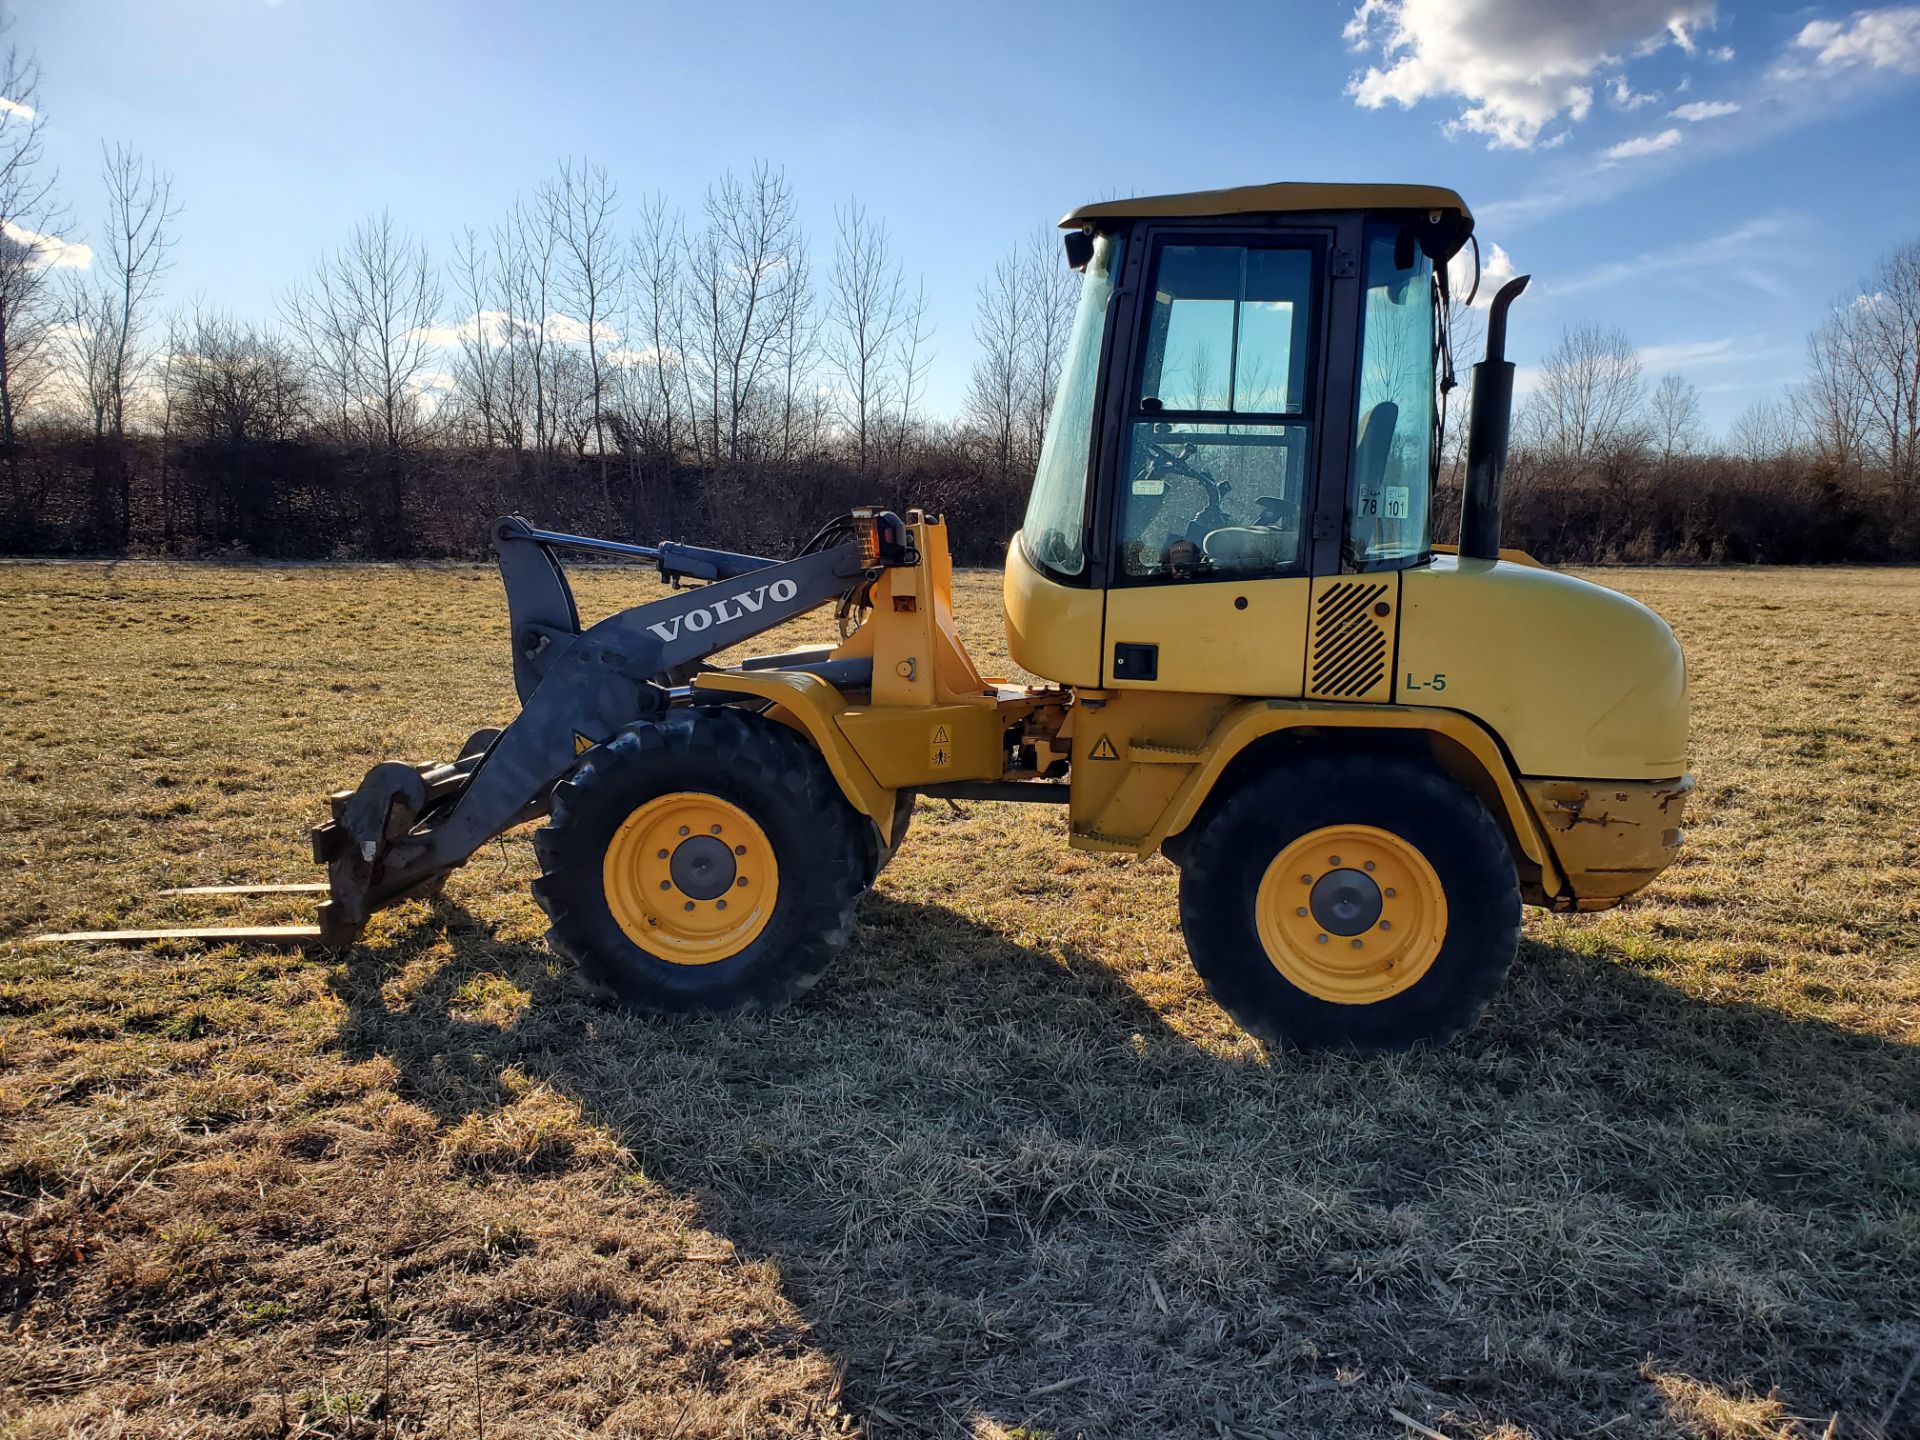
1365 751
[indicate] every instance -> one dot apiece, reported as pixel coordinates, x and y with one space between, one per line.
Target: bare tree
741 272
659 301
913 357
1674 416
29 214
797 347
90 343
1832 401
477 374
140 216
583 202
1765 431
364 319
1588 400
1882 351
864 314
234 384
997 392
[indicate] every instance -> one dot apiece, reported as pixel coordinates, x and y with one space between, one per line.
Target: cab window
1390 483
1218 432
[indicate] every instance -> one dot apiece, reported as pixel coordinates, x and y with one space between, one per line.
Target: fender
1460 743
810 705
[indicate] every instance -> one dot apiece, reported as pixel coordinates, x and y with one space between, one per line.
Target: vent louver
1352 642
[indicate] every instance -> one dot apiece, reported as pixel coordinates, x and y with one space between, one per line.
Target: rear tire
740 811
1401 943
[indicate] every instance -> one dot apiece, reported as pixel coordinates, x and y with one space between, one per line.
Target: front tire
706 862
1353 902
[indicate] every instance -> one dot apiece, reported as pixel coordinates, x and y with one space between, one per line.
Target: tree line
610 363
1609 464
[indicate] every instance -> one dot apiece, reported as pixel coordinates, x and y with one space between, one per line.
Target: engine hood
1577 680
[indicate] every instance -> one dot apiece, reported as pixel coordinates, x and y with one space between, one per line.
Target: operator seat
1370 455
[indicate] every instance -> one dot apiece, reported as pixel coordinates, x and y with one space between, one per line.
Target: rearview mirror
1079 249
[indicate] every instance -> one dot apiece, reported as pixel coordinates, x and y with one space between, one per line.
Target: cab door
1219 445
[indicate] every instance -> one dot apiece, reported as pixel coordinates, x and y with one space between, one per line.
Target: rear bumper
1611 837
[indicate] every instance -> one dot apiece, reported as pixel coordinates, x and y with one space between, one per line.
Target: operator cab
1248 402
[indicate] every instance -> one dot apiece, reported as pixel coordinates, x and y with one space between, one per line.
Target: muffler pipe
1489 424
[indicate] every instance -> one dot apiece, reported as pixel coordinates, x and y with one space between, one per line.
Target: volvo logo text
734 607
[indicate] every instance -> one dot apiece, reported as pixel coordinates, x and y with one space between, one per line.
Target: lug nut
663 854
683 830
1334 860
716 829
1391 892
1301 911
666 884
739 849
687 906
741 883
1323 939
1369 866
1306 879
1386 924
1356 944
720 904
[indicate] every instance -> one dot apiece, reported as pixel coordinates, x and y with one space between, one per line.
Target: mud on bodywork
1611 837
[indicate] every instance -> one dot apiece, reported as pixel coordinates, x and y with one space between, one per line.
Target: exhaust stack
1489 423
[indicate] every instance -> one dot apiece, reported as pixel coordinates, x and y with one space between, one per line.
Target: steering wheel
1208 517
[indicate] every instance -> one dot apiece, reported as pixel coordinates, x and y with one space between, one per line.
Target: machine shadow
982 1169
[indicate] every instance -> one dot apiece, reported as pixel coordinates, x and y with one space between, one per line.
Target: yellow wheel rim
691 878
1351 914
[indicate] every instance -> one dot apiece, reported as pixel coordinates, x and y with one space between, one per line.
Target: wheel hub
1345 902
1353 914
702 867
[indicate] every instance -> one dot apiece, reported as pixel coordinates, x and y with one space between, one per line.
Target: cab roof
1282 198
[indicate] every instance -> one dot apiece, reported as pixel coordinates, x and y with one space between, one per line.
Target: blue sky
1716 237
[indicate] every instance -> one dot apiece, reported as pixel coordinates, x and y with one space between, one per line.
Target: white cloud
1886 39
1697 110
50 251
1749 254
565 330
493 327
1518 65
15 107
1625 97
1496 269
490 324
432 384
1720 54
1644 145
1687 353
647 356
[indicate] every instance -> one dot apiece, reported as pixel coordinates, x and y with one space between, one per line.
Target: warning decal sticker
940 748
1103 750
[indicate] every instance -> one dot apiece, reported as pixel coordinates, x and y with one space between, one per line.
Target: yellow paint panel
1576 680
1208 643
909 745
1053 630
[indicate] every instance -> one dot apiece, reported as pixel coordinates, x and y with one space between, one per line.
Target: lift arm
403 827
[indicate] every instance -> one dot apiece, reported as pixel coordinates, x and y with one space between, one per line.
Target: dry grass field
1006 1172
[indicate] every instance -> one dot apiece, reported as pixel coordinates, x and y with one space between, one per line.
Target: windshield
1054 533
